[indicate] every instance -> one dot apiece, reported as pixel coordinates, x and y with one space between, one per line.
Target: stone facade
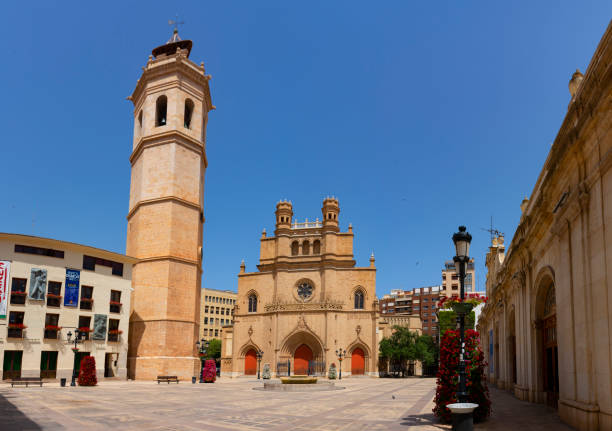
104 277
306 300
547 327
216 311
165 219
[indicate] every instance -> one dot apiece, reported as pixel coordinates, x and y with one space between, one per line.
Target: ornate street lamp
202 348
341 354
462 410
259 356
77 339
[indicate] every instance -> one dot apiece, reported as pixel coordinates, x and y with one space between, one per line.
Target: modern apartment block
450 279
216 311
420 301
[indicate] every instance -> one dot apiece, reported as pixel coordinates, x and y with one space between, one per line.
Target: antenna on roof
492 231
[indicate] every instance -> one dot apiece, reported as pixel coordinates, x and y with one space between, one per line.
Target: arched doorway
550 354
250 363
357 362
301 358
512 349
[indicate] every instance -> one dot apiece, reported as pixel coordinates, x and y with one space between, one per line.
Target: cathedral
306 302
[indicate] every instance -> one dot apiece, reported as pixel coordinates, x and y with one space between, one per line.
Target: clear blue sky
419 116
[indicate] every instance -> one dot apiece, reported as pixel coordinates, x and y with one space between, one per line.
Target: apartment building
216 311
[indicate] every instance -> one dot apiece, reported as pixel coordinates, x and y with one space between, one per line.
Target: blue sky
418 116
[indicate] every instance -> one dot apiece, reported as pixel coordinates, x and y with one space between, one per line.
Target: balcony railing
307 224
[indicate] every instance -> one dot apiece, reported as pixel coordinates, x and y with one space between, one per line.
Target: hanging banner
5 274
38 284
71 292
99 331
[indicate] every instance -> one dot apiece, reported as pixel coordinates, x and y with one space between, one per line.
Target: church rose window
304 291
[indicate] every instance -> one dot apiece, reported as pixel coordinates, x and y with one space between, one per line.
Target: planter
462 307
463 419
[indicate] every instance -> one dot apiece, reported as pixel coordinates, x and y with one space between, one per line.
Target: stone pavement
364 404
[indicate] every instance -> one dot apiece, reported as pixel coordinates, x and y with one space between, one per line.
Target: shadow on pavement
11 418
421 420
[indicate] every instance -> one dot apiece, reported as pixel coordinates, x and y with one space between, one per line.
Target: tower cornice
167 65
172 136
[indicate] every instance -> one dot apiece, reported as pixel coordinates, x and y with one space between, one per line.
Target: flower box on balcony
86 299
17 326
18 293
85 329
54 296
52 328
115 332
117 303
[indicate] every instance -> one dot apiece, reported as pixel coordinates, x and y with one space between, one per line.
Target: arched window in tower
188 113
295 248
252 303
359 299
306 247
161 109
316 247
140 123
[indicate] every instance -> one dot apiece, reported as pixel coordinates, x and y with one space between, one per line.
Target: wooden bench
27 381
167 379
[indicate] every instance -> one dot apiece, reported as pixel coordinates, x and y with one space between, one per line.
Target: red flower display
448 375
84 329
18 293
17 326
471 298
115 331
53 328
87 373
115 303
53 295
209 373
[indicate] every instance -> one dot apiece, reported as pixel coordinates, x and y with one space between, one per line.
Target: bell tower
165 219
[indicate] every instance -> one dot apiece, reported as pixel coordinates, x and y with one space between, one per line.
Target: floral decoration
115 331
17 326
209 373
53 328
84 329
447 302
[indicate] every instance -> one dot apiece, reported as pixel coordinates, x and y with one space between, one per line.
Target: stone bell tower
165 219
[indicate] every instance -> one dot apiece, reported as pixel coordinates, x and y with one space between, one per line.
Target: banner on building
491 351
99 331
5 275
38 284
71 292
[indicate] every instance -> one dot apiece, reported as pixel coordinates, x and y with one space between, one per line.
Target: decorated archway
357 362
250 362
301 359
546 327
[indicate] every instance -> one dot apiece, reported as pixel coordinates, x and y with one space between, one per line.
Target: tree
214 349
87 373
426 350
399 349
447 319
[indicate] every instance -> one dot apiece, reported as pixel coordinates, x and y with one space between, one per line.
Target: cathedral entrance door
357 362
302 356
250 363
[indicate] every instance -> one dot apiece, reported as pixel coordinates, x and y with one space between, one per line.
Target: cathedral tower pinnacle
165 219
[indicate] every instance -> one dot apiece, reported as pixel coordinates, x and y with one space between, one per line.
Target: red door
250 363
357 362
302 355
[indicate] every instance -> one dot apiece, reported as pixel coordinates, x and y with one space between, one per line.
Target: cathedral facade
306 301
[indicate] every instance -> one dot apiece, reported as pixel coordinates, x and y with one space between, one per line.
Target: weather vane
175 23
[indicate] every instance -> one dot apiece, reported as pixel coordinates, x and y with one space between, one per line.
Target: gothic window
306 247
188 113
359 300
252 303
316 247
161 108
295 247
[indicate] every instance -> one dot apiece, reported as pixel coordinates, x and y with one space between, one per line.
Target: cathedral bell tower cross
165 218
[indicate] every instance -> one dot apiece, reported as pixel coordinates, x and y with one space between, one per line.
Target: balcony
18 298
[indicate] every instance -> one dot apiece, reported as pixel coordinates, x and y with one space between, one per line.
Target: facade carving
547 328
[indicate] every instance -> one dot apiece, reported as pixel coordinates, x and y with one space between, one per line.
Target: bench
167 379
26 381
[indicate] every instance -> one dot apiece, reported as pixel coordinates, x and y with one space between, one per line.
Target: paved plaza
364 404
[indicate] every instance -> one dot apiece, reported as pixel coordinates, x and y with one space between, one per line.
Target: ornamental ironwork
304 291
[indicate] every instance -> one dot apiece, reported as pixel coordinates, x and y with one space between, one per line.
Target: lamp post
202 348
259 356
75 349
462 410
340 354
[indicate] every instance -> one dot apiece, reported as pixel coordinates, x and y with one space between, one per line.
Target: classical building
49 288
420 302
547 327
306 300
165 219
450 279
216 311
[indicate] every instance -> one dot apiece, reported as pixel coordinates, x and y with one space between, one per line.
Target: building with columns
306 300
165 219
547 328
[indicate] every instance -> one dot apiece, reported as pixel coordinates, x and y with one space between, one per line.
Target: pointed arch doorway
357 362
250 363
301 358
